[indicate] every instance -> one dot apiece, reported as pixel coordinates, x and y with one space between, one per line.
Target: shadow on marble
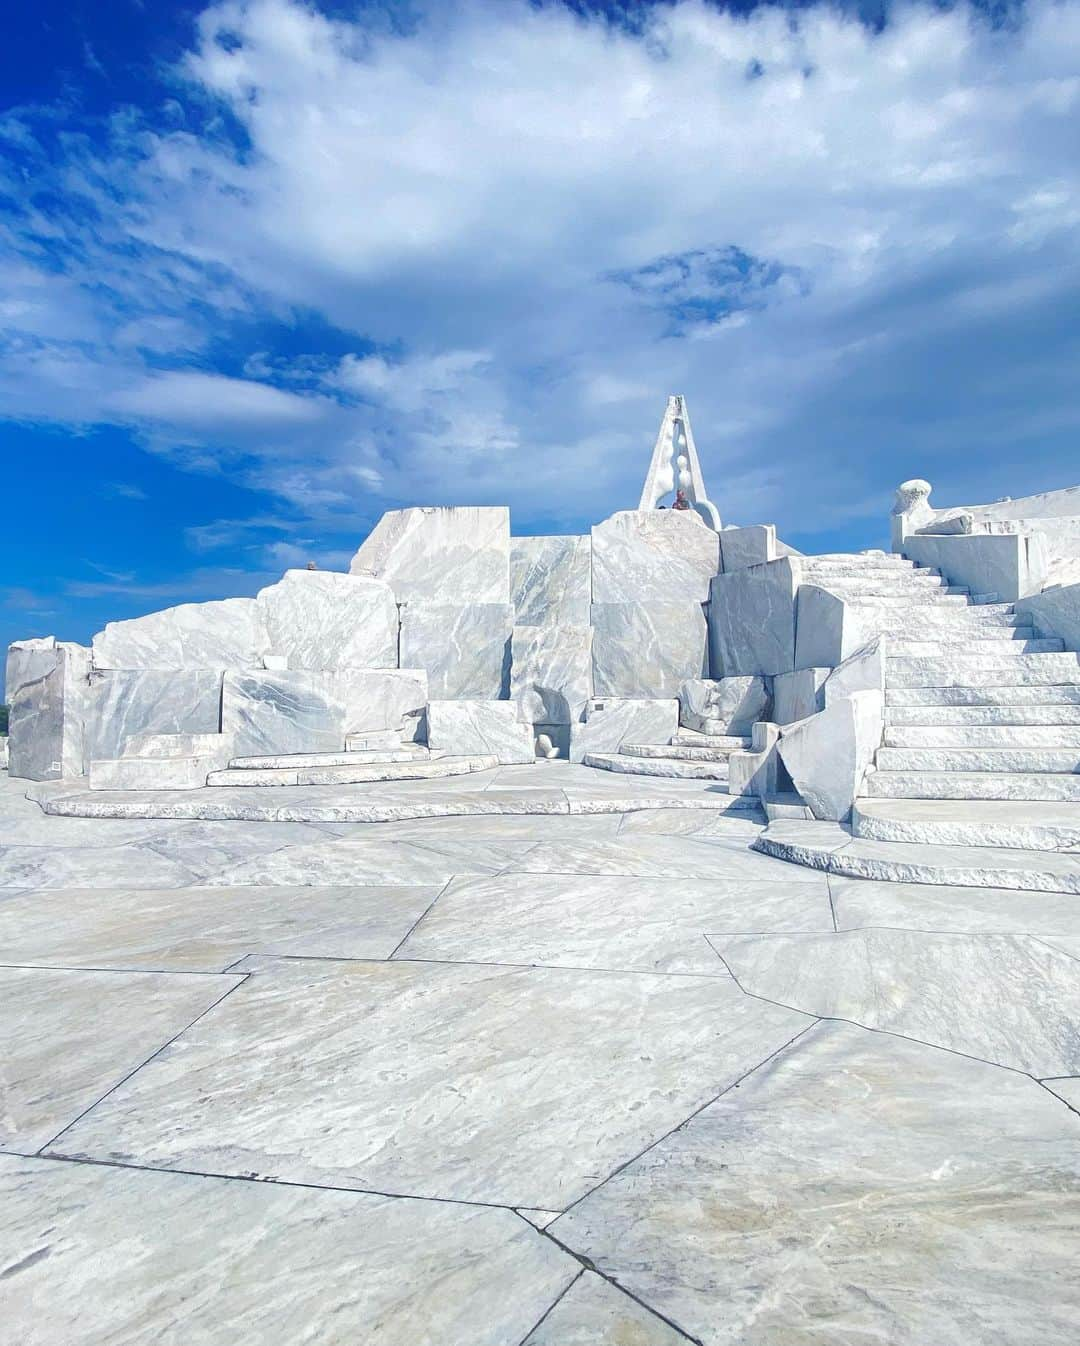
66 1038
857 1188
929 907
96 1255
594 1313
648 925
699 823
430 1079
362 859
1008 999
206 929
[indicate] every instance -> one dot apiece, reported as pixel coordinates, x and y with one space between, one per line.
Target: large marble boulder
610 722
464 649
229 633
653 556
723 706
124 703
448 555
647 650
551 580
46 694
827 755
479 729
305 711
320 619
551 672
752 620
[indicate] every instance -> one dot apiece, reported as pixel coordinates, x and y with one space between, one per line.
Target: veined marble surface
458 554
654 557
647 649
320 619
551 673
858 1187
1013 1000
227 633
438 1089
463 649
490 728
126 702
619 721
593 1312
95 1255
551 580
67 1037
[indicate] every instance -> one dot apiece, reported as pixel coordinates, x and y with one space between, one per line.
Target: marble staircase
688 756
977 779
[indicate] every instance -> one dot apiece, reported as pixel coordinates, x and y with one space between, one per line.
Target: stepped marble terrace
647 936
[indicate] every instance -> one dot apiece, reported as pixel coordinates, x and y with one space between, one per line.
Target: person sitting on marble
681 501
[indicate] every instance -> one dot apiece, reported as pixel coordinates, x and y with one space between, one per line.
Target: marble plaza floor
553 1079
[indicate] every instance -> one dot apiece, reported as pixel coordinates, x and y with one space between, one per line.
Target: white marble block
465 650
647 650
551 672
229 633
751 546
480 729
799 694
723 706
304 711
752 620
47 693
127 702
611 721
450 555
551 580
827 754
653 556
320 619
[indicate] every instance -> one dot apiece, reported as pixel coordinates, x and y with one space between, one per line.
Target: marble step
1018 824
933 599
678 752
979 759
669 767
885 561
971 670
991 650
353 775
927 717
178 745
870 586
693 738
832 848
955 629
374 740
820 566
153 773
287 761
1035 694
972 785
983 736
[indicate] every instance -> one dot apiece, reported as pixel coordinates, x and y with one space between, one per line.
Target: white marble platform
574 1066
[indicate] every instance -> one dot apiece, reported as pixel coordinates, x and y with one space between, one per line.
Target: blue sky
270 268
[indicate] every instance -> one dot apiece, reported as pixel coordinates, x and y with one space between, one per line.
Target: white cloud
854 252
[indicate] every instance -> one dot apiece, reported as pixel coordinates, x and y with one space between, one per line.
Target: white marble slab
551 580
463 649
66 1038
46 694
437 1087
489 728
320 619
593 1312
101 1255
362 860
613 721
859 1188
551 673
206 929
647 649
921 906
619 923
127 702
89 867
653 557
752 619
644 856
227 633
458 554
1009 999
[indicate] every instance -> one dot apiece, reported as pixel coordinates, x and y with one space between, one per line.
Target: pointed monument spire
675 465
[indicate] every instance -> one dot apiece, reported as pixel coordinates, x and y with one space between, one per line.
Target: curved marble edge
188 805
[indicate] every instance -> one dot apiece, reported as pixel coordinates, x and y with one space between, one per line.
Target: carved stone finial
911 510
909 493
